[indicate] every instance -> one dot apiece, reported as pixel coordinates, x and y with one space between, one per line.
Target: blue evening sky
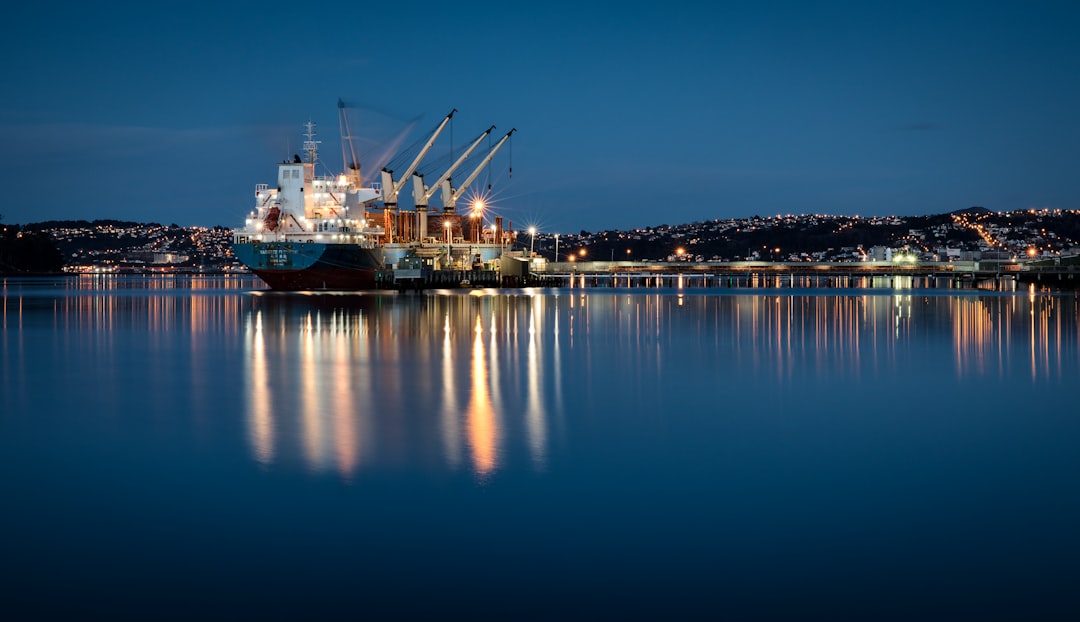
627 116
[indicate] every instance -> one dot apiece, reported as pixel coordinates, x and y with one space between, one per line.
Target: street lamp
449 247
532 238
556 247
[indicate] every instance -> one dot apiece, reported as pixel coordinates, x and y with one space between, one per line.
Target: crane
450 195
392 188
422 194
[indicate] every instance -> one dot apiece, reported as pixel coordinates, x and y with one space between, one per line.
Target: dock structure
995 274
518 271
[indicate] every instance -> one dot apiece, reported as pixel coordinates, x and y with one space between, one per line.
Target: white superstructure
309 208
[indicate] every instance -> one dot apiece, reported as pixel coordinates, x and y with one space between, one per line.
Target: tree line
27 252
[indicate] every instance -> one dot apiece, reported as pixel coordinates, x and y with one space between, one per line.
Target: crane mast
450 195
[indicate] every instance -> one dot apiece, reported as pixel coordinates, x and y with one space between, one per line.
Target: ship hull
297 266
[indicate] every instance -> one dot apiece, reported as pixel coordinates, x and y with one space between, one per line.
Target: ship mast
311 146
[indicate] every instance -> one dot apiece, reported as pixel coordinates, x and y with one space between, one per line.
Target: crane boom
422 194
450 195
392 188
352 163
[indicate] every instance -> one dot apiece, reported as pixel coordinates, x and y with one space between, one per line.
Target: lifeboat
272 217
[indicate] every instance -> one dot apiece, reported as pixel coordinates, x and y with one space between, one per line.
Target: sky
626 116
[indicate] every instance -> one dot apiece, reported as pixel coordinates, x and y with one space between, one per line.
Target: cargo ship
315 232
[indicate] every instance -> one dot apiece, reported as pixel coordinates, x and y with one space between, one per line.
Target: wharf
809 274
994 275
407 280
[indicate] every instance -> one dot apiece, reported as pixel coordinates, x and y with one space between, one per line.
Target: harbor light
532 239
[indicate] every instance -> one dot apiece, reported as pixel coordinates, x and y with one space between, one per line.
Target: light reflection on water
340 383
490 370
398 369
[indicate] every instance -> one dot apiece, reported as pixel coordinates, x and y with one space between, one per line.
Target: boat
315 232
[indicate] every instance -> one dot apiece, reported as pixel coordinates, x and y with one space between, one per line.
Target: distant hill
49 225
971 211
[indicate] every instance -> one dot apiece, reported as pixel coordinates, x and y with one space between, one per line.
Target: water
174 448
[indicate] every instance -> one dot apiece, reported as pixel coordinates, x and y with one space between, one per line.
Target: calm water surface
202 448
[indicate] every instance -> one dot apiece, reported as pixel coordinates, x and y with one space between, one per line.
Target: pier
995 275
992 274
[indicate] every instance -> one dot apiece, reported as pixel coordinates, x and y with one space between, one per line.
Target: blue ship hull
293 266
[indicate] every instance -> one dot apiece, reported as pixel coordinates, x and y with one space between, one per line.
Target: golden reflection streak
260 418
311 424
450 425
482 425
534 415
1031 313
346 441
493 368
